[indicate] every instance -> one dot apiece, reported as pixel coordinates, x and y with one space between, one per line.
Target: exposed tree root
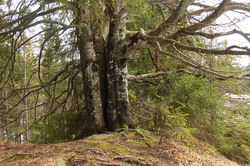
134 160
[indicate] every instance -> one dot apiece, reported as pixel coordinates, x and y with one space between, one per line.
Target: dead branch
175 16
146 76
200 67
227 51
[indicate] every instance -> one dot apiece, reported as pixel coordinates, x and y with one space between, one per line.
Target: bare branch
155 59
211 18
145 77
216 35
200 67
227 51
25 20
18 28
175 16
239 6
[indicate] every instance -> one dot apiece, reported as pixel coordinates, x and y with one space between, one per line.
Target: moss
79 148
108 146
148 139
15 157
136 142
5 160
58 162
246 151
92 164
101 137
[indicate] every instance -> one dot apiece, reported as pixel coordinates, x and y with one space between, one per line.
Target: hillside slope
133 147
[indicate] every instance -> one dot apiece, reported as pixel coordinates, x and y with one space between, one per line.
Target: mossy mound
127 147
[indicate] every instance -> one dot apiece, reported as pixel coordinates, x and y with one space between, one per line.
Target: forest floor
133 147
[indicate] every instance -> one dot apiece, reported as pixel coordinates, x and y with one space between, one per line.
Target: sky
238 39
233 39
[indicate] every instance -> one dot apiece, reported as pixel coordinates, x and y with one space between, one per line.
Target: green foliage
185 105
195 95
183 102
140 63
141 15
167 116
59 128
246 151
237 123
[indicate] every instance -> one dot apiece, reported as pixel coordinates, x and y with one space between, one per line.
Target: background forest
42 97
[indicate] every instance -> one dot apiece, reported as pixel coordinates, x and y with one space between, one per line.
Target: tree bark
104 73
91 71
122 95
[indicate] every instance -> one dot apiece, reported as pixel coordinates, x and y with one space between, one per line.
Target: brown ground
136 147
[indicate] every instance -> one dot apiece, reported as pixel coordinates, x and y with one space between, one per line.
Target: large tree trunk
117 86
91 71
117 93
104 74
122 94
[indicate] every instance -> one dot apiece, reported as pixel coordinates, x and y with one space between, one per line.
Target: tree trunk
92 86
122 94
104 74
118 101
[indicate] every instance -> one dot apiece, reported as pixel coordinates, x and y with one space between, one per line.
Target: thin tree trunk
27 115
